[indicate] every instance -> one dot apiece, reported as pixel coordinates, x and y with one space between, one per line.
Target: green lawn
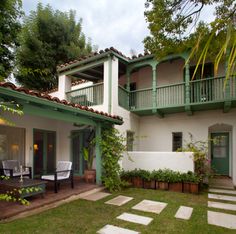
88 217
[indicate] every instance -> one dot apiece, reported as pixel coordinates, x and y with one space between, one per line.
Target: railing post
187 89
154 88
128 88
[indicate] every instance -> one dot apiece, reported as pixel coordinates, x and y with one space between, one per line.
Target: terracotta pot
90 176
176 187
186 187
163 185
137 182
149 184
194 188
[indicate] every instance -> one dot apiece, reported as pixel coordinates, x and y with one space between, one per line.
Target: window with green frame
130 140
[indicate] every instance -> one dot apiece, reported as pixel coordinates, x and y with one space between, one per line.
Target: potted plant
89 173
186 184
148 183
163 179
175 181
194 181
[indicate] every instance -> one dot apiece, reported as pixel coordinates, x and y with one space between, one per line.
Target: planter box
149 184
186 187
176 187
137 182
194 188
163 185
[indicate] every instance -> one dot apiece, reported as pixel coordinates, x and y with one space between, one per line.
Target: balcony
210 93
87 96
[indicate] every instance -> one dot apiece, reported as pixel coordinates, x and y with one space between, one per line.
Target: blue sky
117 23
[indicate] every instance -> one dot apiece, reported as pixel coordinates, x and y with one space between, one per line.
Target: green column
98 155
187 84
154 88
128 87
81 158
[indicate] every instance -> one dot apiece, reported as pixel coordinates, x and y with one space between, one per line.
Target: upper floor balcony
210 93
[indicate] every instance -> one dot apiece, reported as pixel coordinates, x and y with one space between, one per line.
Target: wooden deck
10 209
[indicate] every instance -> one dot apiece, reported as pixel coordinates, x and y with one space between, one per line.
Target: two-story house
159 101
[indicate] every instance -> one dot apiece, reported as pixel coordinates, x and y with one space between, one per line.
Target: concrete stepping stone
96 196
184 212
150 206
220 205
110 229
119 200
221 197
221 219
233 192
135 218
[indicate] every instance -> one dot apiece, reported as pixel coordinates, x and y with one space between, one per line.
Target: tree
48 38
172 25
10 11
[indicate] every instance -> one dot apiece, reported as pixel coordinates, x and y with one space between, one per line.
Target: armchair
11 168
63 172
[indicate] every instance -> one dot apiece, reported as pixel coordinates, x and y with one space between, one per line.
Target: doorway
44 147
220 153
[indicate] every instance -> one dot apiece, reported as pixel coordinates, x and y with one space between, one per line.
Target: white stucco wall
150 161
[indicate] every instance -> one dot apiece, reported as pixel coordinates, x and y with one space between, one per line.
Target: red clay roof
55 99
111 49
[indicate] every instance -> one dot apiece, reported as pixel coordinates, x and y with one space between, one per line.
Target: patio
51 199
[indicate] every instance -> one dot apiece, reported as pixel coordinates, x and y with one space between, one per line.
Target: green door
220 153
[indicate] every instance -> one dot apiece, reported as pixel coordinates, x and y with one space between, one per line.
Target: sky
117 23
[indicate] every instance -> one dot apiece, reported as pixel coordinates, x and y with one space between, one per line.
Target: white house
157 100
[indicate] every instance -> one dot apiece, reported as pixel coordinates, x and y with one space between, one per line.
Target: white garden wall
177 161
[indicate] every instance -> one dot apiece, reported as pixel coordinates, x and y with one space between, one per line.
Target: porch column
154 88
64 85
81 141
98 155
187 90
128 86
227 103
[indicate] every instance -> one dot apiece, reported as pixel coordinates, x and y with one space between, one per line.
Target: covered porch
49 131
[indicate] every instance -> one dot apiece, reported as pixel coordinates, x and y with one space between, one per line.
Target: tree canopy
10 11
175 27
48 38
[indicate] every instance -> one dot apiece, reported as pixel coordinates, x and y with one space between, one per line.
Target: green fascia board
55 106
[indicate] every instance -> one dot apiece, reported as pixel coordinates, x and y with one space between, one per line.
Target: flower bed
163 179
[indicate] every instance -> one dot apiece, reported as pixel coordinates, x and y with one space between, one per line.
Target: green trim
70 114
98 155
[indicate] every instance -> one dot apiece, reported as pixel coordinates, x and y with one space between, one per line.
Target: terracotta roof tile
55 99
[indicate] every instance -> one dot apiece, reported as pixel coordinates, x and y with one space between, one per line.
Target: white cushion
7 173
52 177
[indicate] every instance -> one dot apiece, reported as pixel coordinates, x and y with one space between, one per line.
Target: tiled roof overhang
46 99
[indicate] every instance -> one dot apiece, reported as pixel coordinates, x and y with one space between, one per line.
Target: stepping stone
150 206
135 218
221 219
221 197
96 196
119 200
219 205
184 212
110 229
222 191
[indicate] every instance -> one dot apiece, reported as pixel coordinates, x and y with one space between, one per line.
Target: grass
83 216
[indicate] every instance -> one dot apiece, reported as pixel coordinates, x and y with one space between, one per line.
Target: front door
220 153
44 152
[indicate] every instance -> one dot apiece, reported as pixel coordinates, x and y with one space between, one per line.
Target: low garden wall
176 161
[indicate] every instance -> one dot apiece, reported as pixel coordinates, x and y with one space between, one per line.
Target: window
177 139
130 140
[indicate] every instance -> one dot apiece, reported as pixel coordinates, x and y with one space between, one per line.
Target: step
221 219
220 205
221 197
224 191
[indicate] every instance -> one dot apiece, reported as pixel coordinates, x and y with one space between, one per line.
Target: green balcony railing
171 95
141 99
87 96
123 97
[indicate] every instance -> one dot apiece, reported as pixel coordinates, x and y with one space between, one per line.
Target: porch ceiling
35 103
